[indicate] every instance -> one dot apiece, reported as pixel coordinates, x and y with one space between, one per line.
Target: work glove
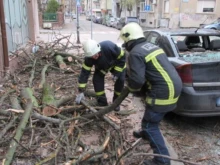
79 97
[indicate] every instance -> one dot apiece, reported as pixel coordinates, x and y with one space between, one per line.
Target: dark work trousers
99 86
150 126
119 85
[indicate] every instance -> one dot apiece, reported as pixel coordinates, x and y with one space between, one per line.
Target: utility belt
153 101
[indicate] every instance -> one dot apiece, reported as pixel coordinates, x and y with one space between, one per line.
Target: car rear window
194 45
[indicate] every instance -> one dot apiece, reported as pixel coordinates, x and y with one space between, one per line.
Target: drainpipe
4 38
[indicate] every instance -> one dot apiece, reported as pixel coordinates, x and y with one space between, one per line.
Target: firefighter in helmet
148 66
104 56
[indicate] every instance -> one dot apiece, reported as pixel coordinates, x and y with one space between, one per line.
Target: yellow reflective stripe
103 72
118 69
100 93
161 102
133 90
166 77
153 54
124 66
121 54
117 93
86 67
82 85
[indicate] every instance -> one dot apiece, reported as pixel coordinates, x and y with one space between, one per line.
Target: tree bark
90 153
104 117
61 63
64 54
27 96
110 108
18 135
32 74
14 102
43 79
68 59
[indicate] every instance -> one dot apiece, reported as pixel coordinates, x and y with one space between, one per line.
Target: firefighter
105 56
148 65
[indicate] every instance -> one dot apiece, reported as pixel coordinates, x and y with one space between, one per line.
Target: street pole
91 19
77 17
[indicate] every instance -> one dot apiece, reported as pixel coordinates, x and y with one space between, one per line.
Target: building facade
178 13
21 26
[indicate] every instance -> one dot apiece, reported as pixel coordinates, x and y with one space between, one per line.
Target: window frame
144 4
202 7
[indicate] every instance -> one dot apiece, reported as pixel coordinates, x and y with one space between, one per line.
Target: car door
162 42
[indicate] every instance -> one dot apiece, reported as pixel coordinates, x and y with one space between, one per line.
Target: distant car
97 19
88 17
125 20
214 25
114 24
73 16
195 53
110 21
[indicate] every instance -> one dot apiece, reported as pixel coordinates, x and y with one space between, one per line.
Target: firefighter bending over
149 65
105 56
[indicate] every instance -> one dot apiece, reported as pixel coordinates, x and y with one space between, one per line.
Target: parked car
97 19
73 16
125 20
195 53
214 25
110 21
88 17
114 24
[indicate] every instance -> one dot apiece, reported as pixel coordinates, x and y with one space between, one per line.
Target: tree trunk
61 63
19 132
110 108
27 95
43 79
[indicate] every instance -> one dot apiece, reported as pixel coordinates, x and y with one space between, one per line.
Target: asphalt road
87 30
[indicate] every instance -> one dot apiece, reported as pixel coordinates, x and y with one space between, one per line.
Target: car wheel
213 28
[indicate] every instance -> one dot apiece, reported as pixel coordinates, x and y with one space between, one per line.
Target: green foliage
52 6
128 4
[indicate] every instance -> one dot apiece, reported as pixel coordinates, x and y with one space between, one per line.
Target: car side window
153 38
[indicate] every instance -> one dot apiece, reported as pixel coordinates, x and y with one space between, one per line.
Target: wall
181 14
1 56
55 25
184 14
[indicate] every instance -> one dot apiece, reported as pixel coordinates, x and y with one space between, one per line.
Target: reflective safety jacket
147 63
112 59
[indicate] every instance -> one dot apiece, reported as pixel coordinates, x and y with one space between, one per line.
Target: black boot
118 107
140 134
102 100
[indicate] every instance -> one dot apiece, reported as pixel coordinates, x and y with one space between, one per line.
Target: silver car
214 25
195 53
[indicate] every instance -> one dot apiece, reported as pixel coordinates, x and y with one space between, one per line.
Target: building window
147 6
166 6
206 6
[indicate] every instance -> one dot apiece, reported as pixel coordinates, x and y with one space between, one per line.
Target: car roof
194 31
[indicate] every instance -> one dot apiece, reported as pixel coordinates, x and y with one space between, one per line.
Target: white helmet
91 47
131 31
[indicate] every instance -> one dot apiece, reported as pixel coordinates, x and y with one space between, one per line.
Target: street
99 32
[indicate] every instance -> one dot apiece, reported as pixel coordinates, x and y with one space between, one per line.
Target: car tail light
185 73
